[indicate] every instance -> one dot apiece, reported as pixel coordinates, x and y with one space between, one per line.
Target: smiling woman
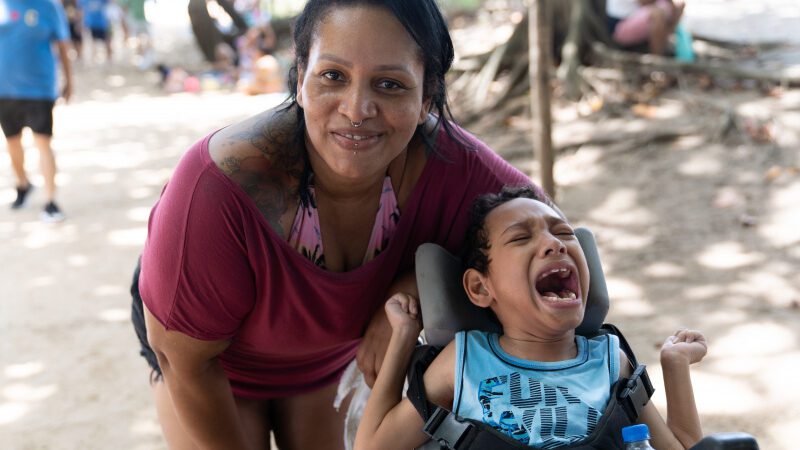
278 239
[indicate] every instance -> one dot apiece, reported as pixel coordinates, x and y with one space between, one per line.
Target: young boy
525 263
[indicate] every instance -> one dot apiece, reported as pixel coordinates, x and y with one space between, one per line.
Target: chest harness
449 431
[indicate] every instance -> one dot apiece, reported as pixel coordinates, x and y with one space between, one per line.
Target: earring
356 124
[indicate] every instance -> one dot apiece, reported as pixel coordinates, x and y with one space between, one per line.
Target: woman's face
362 67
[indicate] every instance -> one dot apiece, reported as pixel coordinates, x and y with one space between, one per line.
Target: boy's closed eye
518 238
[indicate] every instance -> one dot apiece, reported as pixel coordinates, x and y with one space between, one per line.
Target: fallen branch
647 63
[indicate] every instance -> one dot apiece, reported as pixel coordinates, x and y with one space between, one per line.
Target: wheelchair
446 310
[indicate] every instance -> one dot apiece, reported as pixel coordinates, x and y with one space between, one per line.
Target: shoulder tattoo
271 176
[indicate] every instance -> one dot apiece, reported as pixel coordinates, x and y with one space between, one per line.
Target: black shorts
100 34
16 114
137 317
75 32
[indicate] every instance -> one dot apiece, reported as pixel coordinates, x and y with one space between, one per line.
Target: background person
259 71
637 22
75 21
96 20
277 239
138 30
29 88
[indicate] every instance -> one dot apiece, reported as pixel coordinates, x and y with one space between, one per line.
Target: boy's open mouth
558 283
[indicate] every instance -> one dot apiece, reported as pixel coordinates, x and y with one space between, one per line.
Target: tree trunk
205 30
570 52
238 19
540 47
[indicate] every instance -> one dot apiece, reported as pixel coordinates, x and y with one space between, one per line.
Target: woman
637 22
278 239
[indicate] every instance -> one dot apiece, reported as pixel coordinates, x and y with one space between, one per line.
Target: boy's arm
390 421
686 347
682 429
372 350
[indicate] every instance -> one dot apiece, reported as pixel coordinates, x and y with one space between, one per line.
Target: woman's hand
685 346
369 356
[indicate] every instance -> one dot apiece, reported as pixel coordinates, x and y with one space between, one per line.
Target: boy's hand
686 346
403 312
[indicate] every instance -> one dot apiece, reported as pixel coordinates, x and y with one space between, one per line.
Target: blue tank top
541 404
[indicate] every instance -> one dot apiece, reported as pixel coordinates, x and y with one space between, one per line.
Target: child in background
260 71
525 263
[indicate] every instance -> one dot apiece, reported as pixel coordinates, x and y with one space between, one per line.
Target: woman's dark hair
423 21
476 241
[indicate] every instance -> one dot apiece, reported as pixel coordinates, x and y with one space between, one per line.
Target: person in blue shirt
96 20
537 381
29 87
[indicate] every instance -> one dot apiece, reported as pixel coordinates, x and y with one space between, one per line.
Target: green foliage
460 5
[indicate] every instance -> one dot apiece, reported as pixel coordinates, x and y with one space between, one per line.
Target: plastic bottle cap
635 433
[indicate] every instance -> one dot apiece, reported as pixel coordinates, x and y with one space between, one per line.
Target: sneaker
22 195
51 213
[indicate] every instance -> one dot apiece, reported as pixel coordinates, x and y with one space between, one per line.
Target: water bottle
636 437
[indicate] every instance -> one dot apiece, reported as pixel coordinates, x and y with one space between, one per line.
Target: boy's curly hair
476 241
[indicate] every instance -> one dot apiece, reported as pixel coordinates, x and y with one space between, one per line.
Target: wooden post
540 38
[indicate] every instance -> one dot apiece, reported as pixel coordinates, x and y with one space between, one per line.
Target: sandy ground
669 218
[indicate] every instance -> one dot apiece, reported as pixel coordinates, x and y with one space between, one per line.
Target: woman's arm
198 387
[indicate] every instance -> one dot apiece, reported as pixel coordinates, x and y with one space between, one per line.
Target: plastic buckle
637 392
444 428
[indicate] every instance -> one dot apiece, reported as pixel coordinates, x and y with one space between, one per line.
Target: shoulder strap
637 390
422 357
608 328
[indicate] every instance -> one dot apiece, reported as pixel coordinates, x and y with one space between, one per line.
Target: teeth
568 295
356 137
565 296
562 272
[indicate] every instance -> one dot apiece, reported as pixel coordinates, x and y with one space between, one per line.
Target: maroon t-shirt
213 268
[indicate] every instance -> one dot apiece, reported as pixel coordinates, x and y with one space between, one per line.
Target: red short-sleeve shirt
213 268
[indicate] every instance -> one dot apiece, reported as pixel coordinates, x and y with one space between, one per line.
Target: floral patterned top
306 238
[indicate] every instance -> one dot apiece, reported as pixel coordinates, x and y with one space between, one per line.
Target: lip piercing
356 124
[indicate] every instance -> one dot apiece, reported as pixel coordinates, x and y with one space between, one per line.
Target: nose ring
356 124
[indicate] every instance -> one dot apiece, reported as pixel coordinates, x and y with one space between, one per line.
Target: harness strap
639 389
608 328
449 431
422 357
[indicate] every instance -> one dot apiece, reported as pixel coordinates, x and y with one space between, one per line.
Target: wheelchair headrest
446 308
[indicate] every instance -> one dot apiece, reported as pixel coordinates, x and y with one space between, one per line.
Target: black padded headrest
446 308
